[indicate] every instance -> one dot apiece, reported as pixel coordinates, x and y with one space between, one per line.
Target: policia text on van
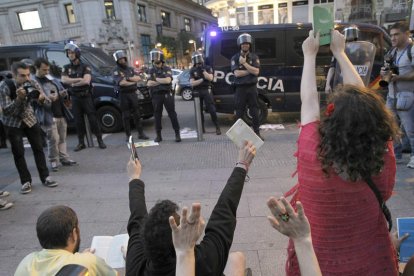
279 47
106 100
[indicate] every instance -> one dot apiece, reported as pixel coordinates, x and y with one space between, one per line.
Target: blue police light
213 33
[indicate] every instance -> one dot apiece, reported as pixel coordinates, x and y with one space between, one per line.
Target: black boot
101 143
218 131
3 145
159 137
80 146
177 136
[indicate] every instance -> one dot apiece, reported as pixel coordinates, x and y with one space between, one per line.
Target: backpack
393 51
12 88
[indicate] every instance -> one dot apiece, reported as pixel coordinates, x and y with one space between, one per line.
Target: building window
187 24
203 26
166 19
29 20
70 14
109 9
146 47
142 15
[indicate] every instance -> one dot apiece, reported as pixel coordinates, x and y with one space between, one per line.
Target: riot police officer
126 83
245 66
77 78
159 82
201 77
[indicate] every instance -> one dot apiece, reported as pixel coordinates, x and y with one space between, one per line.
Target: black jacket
210 255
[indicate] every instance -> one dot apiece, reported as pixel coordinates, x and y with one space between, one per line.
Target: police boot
3 144
141 134
159 137
101 142
177 136
218 131
80 146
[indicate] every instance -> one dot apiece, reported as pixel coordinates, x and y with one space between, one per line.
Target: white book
240 132
109 249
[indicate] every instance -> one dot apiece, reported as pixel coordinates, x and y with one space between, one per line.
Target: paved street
186 172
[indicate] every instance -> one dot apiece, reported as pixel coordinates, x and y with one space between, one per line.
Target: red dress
349 231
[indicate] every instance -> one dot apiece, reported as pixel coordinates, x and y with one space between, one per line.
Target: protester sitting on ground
296 227
59 235
150 246
346 170
185 236
4 204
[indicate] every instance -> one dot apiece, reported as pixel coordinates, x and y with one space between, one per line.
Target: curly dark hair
157 235
355 134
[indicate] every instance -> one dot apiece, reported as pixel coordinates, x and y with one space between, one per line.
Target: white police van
279 47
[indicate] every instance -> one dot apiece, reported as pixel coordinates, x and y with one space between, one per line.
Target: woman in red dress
337 153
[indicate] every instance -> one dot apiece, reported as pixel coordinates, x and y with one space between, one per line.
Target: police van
279 47
105 98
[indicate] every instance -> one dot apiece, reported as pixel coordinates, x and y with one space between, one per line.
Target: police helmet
74 48
197 57
244 38
156 54
351 33
119 54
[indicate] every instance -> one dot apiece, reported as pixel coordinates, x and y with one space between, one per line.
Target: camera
31 92
389 69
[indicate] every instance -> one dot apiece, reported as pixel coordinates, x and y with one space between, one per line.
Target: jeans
15 136
56 140
407 120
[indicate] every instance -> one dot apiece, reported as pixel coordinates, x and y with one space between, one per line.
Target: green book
323 22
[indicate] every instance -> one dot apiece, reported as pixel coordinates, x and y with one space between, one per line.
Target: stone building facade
131 25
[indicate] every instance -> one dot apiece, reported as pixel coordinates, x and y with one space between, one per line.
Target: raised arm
185 237
349 73
308 91
296 226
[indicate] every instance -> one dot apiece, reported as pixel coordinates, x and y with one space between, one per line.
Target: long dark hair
354 135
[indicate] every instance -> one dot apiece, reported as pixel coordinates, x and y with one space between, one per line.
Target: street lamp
191 41
158 45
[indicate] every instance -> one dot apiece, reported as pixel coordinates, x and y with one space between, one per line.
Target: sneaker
411 163
68 162
49 182
80 147
4 193
54 165
4 205
26 188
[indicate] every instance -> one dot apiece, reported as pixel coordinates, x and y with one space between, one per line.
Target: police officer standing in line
77 78
201 77
245 66
159 82
126 83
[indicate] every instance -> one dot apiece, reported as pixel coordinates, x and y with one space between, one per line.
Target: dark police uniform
82 100
204 90
129 100
162 95
246 90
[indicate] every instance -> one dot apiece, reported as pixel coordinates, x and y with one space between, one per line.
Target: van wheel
187 94
109 119
262 110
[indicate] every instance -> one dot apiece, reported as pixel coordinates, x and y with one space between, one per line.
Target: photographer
19 120
399 73
51 115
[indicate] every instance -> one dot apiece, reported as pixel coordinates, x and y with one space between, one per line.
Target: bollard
89 139
197 111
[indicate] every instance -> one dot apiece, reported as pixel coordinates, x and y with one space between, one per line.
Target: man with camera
126 81
51 115
19 120
77 78
398 73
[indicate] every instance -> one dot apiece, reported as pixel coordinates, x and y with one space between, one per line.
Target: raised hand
247 153
134 169
190 229
337 42
310 46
